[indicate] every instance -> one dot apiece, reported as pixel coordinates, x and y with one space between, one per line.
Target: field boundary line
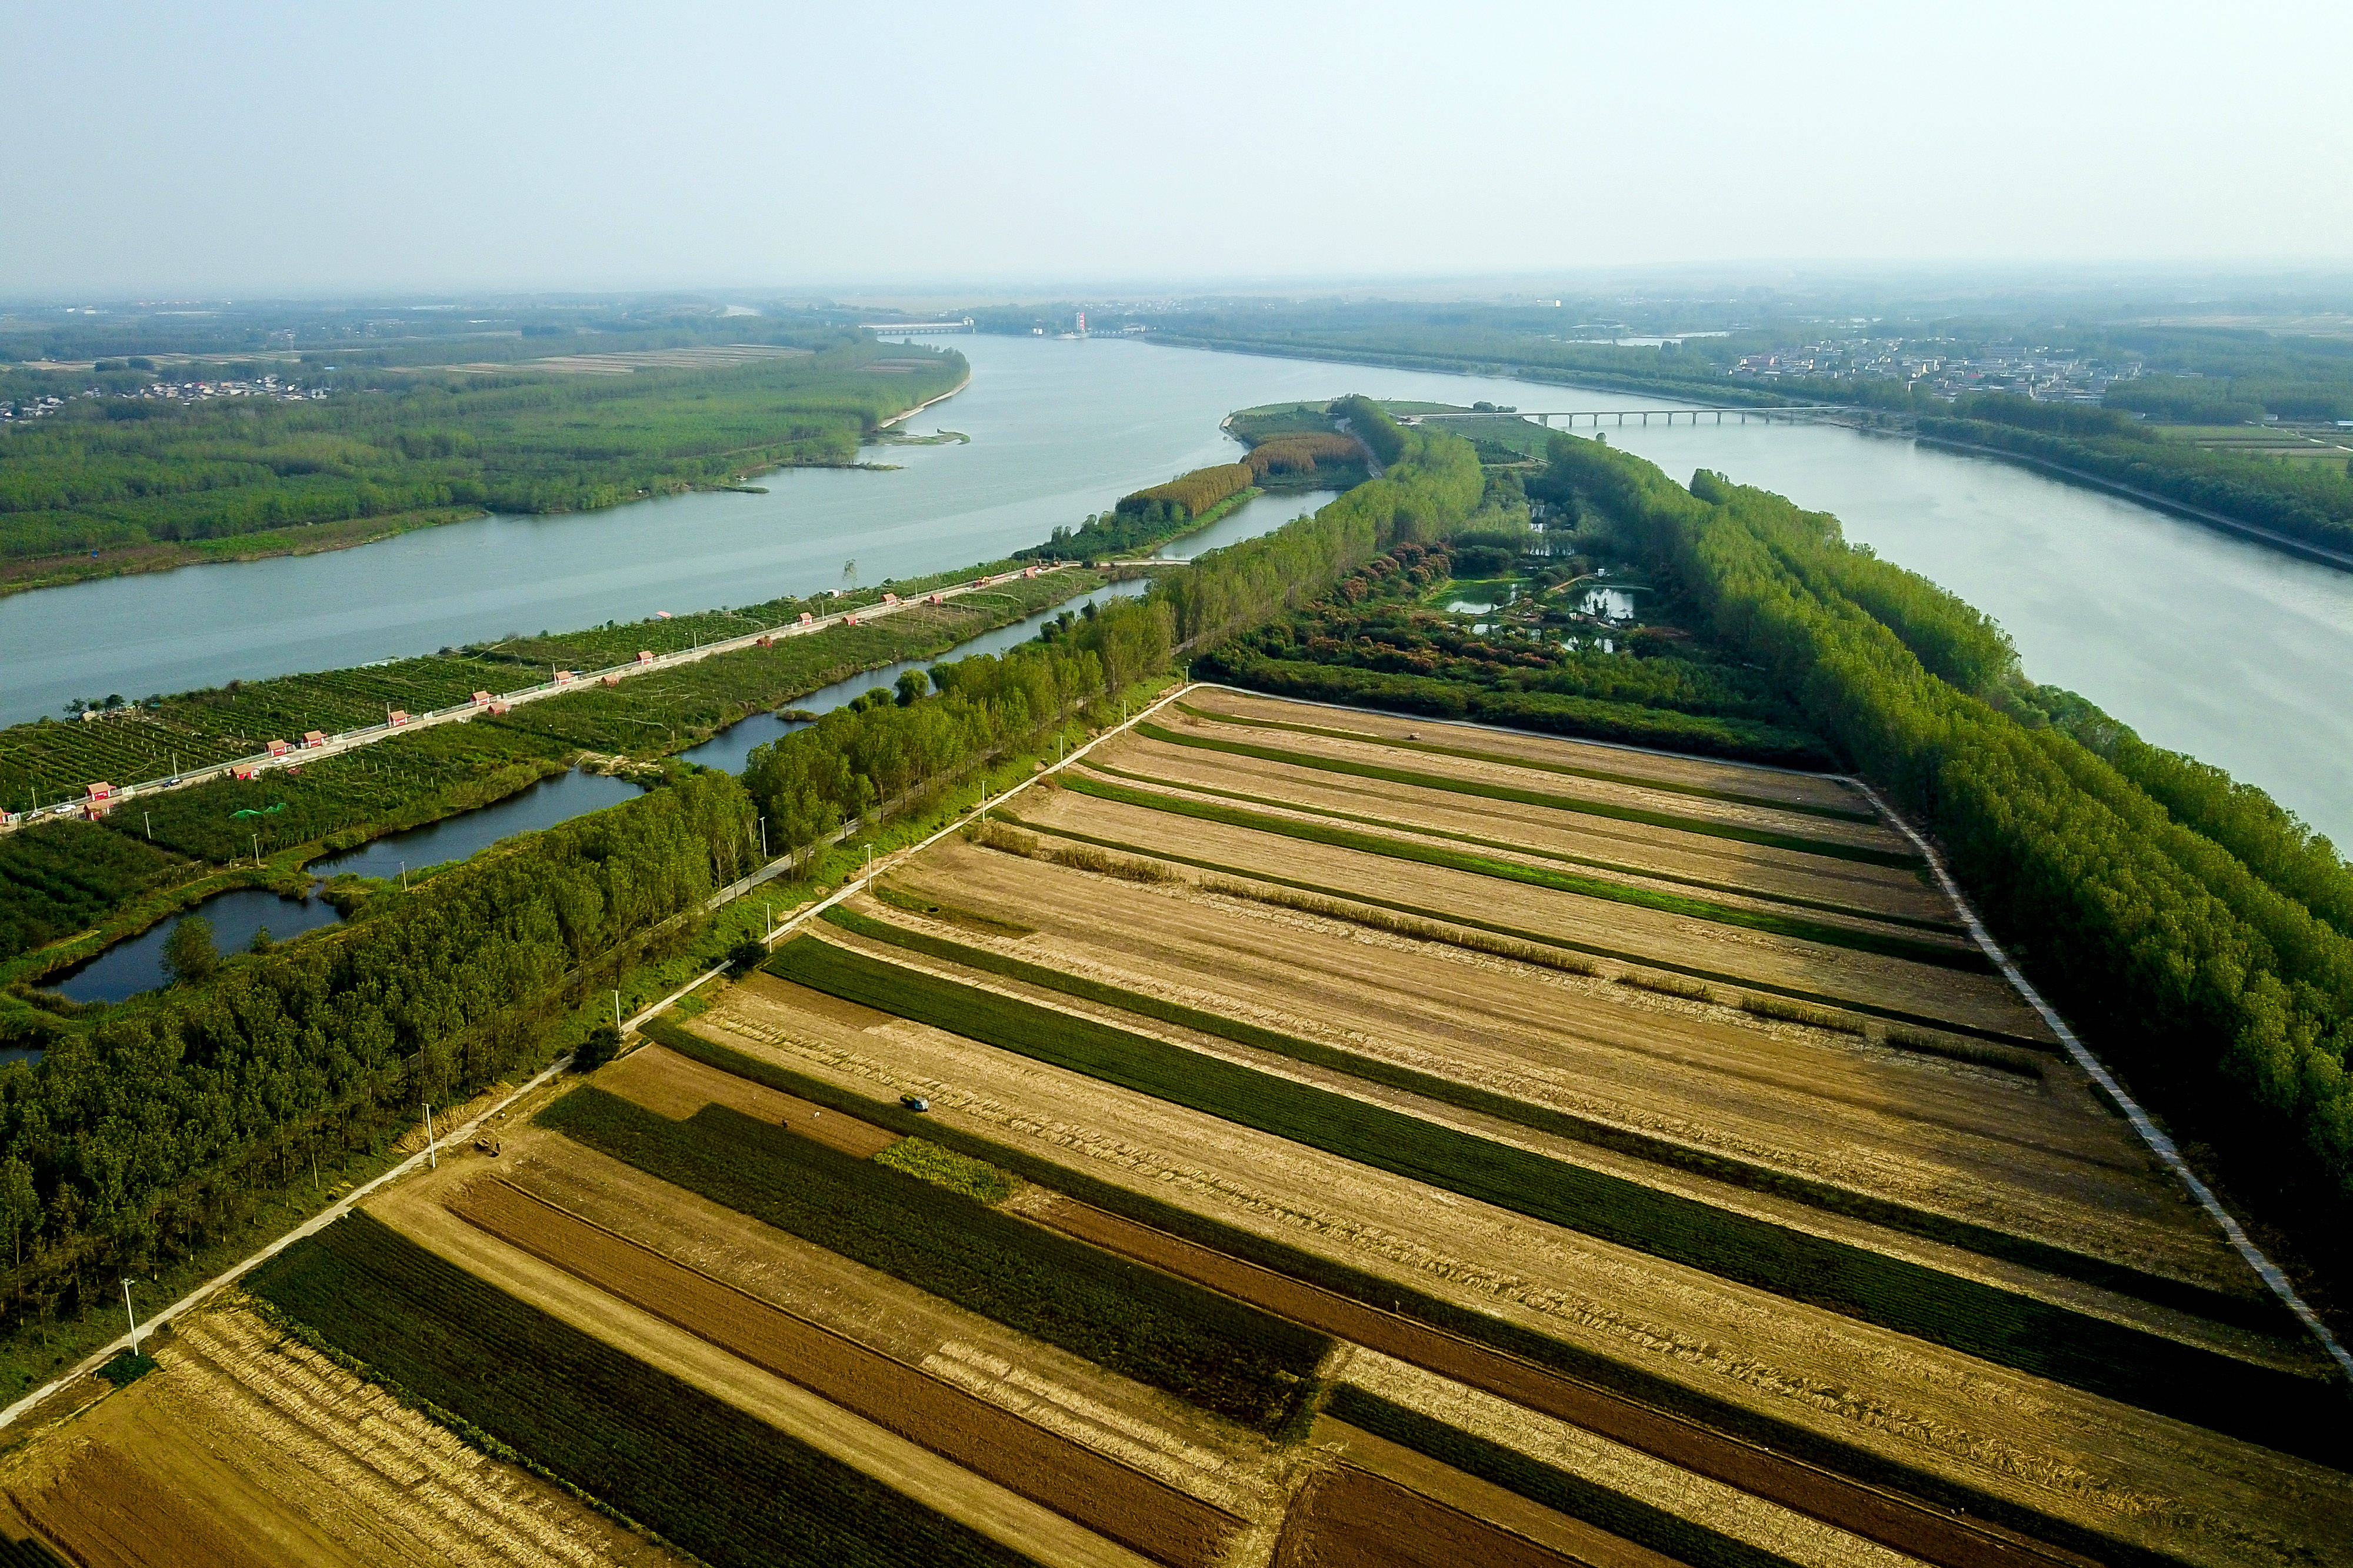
2159 1143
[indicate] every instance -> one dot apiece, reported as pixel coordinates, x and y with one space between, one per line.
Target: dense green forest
2186 923
111 473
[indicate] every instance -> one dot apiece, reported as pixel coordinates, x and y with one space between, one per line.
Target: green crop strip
1472 754
1871 1010
1168 1332
2088 1352
1967 960
1391 1295
1824 905
720 1483
1981 1239
1626 1517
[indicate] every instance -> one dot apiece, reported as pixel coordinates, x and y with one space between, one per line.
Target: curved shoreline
318 539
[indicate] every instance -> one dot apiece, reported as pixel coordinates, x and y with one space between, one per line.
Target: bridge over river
1787 413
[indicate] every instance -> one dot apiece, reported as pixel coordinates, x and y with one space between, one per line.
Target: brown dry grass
2041 1157
245 1450
2049 1447
1884 889
416 1208
1776 784
1982 1001
1098 1492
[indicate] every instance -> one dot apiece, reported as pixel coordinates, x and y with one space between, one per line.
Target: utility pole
764 839
432 1146
148 818
403 875
133 1317
257 849
870 862
617 1012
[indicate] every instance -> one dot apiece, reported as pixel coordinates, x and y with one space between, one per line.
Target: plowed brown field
2042 1158
247 1450
1481 1500
1347 1518
1100 1493
1920 1531
1577 1451
2048 1447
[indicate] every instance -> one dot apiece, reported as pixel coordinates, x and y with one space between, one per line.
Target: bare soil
1076 1481
1348 1518
245 1450
1481 1500
2049 1447
1573 1450
1925 1533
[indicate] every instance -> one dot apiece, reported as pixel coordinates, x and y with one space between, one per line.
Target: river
2201 641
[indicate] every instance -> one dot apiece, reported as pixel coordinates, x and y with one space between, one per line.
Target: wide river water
2201 641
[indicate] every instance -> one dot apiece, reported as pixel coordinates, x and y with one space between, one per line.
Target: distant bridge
964 326
1787 413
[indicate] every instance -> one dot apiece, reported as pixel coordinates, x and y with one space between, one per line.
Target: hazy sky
163 149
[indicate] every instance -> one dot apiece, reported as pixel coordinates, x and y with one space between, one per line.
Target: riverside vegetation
143 482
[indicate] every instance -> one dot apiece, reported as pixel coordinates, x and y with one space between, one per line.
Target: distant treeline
2307 500
2196 932
110 473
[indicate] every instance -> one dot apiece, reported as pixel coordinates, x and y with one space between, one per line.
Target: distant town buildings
269 386
1944 367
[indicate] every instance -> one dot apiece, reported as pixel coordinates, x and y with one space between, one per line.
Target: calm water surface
2200 642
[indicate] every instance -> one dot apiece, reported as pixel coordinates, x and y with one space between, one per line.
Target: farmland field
1546 1115
1342 1142
246 1449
